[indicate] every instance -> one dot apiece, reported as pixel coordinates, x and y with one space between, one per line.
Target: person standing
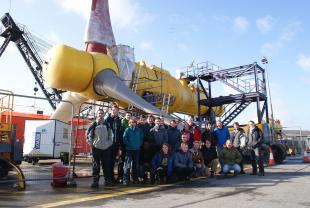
132 139
255 140
159 135
238 140
116 125
174 137
222 135
100 138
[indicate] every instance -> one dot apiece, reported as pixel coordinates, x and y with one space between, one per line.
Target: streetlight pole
265 62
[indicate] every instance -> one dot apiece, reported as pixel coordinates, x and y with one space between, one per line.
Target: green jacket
125 124
230 156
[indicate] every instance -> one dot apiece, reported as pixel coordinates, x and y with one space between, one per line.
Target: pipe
65 111
108 83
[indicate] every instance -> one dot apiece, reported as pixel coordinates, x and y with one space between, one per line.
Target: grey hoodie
102 137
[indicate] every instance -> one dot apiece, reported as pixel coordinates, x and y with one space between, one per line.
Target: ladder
234 111
165 102
134 86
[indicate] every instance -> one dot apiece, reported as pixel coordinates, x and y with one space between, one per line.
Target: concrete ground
285 185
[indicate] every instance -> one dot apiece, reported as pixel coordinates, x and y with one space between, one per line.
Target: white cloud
80 7
125 14
265 24
240 24
290 31
303 62
145 45
288 34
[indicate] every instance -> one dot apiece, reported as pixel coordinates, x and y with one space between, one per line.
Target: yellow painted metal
184 96
100 62
73 70
21 184
68 69
6 108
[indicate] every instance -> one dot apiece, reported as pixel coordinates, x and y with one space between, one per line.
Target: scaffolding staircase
233 110
32 48
244 79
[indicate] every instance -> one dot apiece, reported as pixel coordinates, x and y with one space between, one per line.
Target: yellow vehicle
10 156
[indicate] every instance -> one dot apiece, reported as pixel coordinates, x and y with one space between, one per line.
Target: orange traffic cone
306 157
271 159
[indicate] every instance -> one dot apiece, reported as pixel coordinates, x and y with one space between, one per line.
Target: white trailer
46 139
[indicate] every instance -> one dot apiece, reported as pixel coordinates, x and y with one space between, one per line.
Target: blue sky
175 32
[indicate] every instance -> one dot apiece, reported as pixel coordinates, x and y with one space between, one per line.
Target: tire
265 153
279 152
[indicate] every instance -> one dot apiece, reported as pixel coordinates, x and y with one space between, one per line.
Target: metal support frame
249 80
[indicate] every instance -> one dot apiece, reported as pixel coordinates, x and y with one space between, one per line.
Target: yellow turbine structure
95 76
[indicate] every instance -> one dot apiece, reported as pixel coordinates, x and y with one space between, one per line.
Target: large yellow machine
96 76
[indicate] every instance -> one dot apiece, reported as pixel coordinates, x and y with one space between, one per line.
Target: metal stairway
32 48
233 111
248 80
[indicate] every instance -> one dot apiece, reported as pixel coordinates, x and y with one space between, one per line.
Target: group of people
153 151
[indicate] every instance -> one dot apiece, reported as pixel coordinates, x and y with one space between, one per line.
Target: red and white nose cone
99 34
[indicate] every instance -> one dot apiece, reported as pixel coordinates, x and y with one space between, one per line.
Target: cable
10 6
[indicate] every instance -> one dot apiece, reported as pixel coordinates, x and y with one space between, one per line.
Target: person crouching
230 158
162 165
183 163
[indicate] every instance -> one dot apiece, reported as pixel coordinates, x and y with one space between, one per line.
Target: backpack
91 130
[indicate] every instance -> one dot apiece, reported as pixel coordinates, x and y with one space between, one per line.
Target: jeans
131 163
102 158
236 168
219 149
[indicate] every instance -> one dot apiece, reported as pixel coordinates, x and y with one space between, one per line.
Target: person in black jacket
238 140
209 135
254 141
210 157
174 137
117 147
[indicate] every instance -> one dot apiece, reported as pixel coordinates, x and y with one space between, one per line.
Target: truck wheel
279 152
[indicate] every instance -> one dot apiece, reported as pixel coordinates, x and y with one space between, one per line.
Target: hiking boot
242 172
95 184
109 183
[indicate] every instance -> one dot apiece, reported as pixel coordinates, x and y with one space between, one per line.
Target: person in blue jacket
162 165
133 138
222 135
